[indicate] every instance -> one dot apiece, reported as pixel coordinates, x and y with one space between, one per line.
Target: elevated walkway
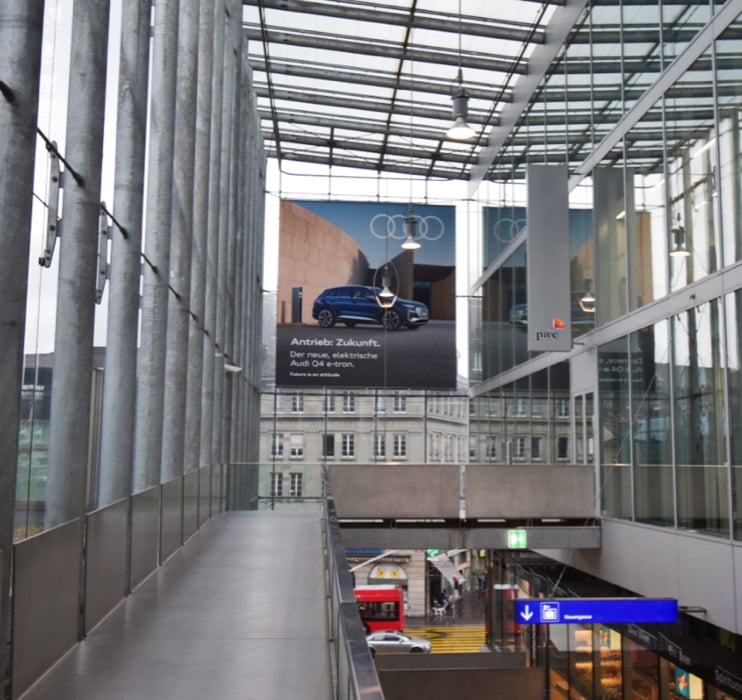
240 611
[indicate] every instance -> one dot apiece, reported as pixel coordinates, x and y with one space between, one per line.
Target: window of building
491 447
349 402
520 407
434 447
562 408
400 445
380 403
492 406
348 445
536 408
329 403
562 447
449 448
472 447
277 445
328 445
296 445
296 484
400 402
536 445
519 448
276 484
297 403
379 445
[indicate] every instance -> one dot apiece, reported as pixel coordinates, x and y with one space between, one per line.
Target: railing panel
190 504
46 601
514 491
171 524
145 524
204 494
396 491
106 559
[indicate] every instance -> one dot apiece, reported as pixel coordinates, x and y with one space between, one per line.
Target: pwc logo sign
552 333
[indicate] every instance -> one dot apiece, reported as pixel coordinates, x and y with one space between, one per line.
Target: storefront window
641 672
608 676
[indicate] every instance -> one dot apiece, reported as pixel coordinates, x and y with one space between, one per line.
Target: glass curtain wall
663 421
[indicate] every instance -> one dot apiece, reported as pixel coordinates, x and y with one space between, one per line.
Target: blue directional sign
564 611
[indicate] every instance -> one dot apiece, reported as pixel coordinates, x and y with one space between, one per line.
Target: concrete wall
453 681
656 562
514 491
393 491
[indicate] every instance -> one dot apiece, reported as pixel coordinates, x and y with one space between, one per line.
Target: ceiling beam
384 49
395 16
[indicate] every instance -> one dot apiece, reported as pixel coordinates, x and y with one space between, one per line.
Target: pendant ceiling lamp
410 221
679 249
460 130
410 229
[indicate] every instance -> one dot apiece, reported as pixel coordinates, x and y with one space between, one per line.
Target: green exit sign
517 539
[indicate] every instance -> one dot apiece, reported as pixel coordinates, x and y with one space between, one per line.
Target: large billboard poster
355 309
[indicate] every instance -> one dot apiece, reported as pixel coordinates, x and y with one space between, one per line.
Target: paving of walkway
238 612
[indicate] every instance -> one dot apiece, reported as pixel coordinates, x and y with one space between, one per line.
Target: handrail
354 672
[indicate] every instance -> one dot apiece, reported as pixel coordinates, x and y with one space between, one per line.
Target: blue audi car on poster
355 303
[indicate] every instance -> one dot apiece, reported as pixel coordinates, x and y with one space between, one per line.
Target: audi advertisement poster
366 295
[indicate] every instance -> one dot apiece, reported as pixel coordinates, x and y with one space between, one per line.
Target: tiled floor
239 612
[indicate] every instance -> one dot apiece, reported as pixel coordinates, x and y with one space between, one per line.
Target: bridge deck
238 612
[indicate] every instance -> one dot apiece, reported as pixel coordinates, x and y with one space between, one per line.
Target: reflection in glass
729 99
615 433
734 374
700 445
651 416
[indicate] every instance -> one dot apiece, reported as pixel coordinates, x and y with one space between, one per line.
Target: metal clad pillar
20 66
73 342
196 338
151 370
119 387
219 437
212 243
176 355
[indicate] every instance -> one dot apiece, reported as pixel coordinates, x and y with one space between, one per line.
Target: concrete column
196 338
73 342
20 65
176 355
119 386
212 249
151 370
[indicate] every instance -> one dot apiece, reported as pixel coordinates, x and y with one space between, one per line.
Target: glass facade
653 154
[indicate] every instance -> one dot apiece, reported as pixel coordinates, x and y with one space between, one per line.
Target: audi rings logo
429 228
506 229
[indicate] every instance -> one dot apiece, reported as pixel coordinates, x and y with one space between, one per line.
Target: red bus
380 607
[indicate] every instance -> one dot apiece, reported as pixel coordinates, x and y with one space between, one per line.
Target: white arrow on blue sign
563 611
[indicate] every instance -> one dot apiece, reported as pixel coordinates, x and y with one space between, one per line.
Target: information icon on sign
550 612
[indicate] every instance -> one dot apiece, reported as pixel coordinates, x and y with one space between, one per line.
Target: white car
396 643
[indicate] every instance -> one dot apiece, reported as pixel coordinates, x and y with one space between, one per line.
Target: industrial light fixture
587 300
679 249
389 277
410 228
410 220
460 130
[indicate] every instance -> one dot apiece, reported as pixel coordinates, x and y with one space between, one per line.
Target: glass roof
368 85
